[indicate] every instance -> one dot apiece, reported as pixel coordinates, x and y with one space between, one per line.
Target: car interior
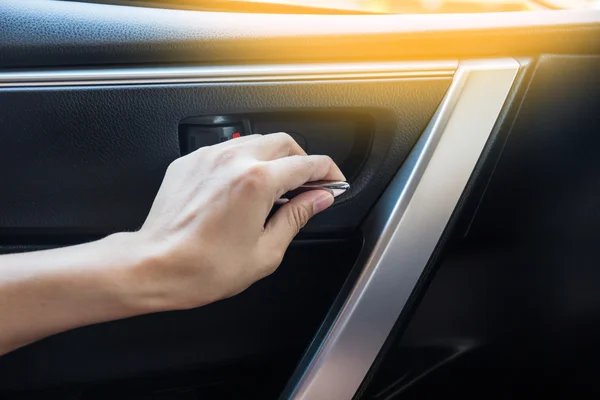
461 263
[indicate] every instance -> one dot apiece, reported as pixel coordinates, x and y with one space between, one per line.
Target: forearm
46 292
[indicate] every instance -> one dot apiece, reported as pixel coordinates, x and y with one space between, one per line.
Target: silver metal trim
404 229
212 74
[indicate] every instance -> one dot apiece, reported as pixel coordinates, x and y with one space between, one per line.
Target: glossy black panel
514 305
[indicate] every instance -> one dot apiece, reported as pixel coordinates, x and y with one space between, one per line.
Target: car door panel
520 266
103 150
93 104
89 159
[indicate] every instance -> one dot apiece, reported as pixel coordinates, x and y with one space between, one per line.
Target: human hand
206 236
204 239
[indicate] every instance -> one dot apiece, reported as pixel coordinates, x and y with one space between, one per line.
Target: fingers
240 140
265 147
285 224
273 146
236 142
290 172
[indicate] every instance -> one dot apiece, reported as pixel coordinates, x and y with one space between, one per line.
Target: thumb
285 224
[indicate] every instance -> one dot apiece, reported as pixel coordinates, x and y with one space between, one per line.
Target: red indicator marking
236 135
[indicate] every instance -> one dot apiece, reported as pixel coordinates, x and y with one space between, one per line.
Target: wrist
132 259
142 265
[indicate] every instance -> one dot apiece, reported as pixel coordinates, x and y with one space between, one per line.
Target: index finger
290 172
273 146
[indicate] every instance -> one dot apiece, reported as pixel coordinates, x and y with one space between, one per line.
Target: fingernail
323 202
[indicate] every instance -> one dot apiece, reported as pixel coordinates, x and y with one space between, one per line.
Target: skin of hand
206 238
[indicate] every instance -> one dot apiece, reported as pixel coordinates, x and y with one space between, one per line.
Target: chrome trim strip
404 229
210 74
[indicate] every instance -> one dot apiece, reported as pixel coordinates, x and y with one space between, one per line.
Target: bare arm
50 291
205 239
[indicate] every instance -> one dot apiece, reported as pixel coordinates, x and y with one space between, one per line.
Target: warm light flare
431 6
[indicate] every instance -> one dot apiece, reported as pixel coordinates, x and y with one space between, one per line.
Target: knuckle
226 156
269 139
327 159
322 162
199 154
287 141
309 162
257 172
279 139
297 165
285 138
255 177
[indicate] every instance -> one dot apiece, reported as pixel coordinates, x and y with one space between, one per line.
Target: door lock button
194 136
